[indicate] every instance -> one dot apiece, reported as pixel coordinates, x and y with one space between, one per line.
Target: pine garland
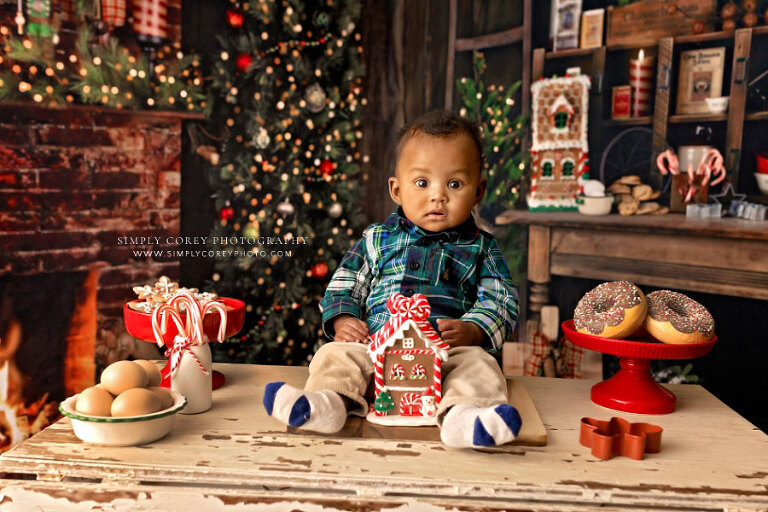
90 73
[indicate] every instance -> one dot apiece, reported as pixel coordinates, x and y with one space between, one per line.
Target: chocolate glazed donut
611 310
678 319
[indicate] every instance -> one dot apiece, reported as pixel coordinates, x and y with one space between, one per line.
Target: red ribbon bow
416 307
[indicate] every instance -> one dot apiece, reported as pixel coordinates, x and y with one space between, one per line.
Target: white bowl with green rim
125 430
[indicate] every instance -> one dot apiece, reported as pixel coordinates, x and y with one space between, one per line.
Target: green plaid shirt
461 272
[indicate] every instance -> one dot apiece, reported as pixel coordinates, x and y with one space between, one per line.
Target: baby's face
437 180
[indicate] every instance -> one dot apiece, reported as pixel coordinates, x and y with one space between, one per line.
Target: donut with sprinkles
678 319
611 310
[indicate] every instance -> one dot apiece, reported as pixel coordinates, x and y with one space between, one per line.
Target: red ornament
326 167
227 213
243 61
235 17
319 270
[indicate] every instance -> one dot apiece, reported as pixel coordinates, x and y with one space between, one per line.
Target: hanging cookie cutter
618 436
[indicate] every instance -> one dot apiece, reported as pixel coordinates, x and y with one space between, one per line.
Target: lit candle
641 81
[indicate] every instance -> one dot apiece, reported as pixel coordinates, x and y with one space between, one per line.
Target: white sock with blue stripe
468 426
318 411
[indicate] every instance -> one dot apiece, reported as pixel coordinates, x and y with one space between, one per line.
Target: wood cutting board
532 433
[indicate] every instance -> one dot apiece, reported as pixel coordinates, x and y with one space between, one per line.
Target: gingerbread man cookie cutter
618 436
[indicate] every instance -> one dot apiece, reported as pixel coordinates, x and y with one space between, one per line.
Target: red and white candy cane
160 322
217 306
667 163
712 163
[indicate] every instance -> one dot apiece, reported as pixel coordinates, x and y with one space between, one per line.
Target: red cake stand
139 325
633 389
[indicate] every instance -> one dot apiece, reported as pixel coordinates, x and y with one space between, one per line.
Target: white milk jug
190 380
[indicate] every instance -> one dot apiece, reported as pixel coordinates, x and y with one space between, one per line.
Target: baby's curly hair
442 123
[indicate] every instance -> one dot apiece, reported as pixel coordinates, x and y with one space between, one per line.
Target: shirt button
415 265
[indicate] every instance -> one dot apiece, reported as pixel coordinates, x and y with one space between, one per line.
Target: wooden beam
449 62
505 37
527 20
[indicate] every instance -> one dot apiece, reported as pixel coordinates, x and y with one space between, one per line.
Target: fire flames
17 420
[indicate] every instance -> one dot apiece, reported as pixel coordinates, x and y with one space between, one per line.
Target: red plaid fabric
113 12
558 358
150 18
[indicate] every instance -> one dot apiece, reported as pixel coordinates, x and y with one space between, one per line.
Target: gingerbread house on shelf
559 150
407 355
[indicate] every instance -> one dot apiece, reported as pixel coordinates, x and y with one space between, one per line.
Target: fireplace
47 341
73 184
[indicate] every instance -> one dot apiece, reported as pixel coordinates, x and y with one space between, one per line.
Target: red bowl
762 162
139 324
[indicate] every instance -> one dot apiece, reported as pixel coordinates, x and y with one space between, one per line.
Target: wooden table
234 455
726 256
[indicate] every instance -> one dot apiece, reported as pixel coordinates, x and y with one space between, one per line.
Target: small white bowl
595 205
718 105
762 182
122 431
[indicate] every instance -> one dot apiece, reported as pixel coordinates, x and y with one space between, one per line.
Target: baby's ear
394 189
480 192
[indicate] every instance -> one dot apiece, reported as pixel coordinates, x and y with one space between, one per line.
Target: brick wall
71 183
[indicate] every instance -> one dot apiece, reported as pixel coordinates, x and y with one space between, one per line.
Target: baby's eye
454 184
421 183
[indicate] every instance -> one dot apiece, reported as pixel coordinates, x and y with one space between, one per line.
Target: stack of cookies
635 198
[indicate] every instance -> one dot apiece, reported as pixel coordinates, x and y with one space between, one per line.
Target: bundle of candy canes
711 164
190 326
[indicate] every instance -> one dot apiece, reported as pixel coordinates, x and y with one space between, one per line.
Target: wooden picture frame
700 77
592 28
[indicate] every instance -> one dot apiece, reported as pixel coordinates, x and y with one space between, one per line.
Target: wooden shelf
630 121
573 52
757 116
93 110
703 38
698 118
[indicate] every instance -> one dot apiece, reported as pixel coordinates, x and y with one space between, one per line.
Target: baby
432 246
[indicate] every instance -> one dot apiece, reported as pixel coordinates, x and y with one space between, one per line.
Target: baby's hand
350 329
457 333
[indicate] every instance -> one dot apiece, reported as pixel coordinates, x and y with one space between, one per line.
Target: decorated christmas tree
284 110
384 403
493 107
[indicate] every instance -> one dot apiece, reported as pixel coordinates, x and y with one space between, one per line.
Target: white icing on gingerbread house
559 149
407 354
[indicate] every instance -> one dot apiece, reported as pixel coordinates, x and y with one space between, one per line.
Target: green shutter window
546 170
561 120
568 168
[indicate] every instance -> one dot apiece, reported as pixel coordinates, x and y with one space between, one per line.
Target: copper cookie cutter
618 436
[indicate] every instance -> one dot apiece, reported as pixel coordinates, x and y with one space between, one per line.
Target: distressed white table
235 458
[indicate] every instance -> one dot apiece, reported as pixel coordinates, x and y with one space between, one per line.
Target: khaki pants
470 375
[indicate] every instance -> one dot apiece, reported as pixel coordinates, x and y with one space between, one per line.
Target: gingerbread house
407 354
559 149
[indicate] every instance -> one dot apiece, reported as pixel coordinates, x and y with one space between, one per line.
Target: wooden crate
648 21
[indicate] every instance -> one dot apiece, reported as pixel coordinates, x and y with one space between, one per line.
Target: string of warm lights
43 70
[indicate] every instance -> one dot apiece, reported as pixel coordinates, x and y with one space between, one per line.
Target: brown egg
123 375
153 372
101 386
135 402
94 401
165 396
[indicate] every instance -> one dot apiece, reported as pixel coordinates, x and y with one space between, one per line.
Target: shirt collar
464 233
